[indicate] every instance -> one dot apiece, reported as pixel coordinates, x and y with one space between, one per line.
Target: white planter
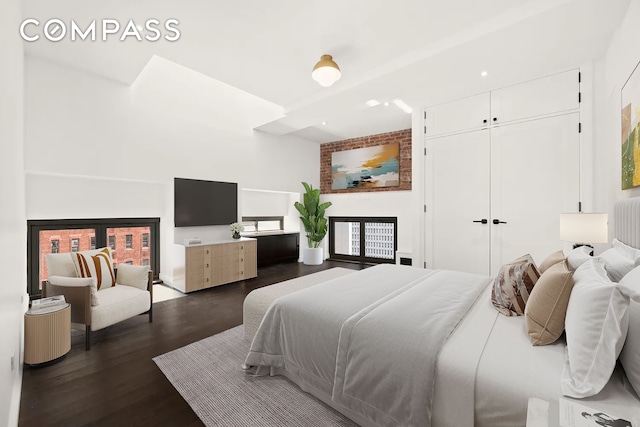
312 256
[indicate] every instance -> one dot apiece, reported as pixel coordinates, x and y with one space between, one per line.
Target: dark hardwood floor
116 383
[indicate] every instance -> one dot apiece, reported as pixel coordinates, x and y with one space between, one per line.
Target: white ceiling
422 51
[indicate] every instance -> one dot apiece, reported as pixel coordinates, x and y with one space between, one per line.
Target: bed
395 345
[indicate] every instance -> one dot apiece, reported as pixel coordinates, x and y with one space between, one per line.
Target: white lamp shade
326 72
584 227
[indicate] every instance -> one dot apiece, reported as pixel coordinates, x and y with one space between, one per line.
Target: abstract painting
631 131
364 168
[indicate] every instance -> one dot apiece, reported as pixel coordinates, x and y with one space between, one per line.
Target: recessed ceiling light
386 104
373 102
402 105
484 74
324 123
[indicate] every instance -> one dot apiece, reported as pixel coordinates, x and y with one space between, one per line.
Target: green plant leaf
325 205
307 225
321 208
300 207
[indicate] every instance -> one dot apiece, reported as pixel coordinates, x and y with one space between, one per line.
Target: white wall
612 73
264 203
13 263
94 150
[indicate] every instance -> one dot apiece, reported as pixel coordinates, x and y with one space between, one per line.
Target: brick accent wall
402 136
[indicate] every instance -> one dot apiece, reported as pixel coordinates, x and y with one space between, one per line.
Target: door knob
497 221
482 221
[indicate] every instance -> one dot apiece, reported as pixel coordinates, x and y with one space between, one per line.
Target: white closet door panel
547 95
534 177
458 116
460 179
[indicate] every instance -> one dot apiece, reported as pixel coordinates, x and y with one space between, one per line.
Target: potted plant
315 224
236 228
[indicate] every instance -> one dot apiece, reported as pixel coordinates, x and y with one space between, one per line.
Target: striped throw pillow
513 284
95 263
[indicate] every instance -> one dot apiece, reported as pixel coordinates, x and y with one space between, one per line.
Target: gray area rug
209 377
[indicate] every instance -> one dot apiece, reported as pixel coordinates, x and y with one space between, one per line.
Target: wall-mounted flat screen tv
198 202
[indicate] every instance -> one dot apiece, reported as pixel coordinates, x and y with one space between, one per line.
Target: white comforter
370 340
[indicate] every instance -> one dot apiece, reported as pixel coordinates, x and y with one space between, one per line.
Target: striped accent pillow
513 284
95 263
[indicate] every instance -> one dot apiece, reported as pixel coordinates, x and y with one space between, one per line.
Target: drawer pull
241 247
242 273
207 279
207 251
241 259
207 265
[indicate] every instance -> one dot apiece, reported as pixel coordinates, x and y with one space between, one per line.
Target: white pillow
133 275
596 327
627 251
79 282
578 256
629 358
616 263
60 265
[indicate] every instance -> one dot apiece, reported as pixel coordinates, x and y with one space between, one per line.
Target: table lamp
584 229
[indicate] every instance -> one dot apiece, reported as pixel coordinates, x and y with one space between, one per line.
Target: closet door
548 95
460 181
534 177
462 115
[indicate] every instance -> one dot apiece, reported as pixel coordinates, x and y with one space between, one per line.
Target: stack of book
47 305
573 414
569 413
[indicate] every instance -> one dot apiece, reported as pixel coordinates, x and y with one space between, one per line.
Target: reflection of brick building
130 245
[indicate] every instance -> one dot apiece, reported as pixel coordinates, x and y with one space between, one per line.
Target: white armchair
96 308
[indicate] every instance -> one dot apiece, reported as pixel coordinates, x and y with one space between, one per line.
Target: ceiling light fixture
484 74
402 105
326 72
373 102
